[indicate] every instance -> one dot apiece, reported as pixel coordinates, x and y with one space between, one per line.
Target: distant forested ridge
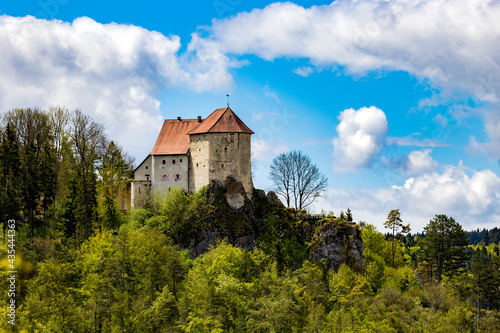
186 262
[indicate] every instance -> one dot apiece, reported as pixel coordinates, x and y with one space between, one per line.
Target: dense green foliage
60 175
139 281
85 266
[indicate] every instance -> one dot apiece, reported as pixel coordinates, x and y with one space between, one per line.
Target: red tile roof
173 138
174 135
222 120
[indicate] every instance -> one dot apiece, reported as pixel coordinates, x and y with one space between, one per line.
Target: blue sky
396 101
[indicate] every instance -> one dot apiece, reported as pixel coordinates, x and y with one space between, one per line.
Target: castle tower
220 147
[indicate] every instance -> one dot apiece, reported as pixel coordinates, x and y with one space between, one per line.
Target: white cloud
411 141
110 71
416 163
451 42
361 135
471 197
270 93
419 161
493 129
263 150
304 71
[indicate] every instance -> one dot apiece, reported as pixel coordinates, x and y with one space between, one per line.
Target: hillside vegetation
190 263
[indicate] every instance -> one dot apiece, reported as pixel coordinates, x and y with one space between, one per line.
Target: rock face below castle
230 215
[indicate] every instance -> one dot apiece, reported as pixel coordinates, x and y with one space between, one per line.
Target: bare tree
297 179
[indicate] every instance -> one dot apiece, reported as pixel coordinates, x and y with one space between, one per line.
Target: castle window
164 178
196 164
163 161
222 165
177 177
225 149
231 137
174 161
181 160
147 177
146 167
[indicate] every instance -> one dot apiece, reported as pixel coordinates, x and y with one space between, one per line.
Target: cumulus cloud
415 163
361 135
110 71
472 197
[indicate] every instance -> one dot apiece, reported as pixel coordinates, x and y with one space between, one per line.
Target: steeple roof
222 120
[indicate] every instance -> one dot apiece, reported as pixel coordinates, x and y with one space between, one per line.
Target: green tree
443 247
395 224
87 140
115 169
10 199
37 163
484 281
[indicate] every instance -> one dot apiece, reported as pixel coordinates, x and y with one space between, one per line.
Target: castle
191 153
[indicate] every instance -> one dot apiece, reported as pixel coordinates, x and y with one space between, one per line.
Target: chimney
199 119
179 118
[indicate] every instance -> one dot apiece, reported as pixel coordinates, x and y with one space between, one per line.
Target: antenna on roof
227 95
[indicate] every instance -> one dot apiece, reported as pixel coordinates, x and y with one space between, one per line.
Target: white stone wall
164 174
144 171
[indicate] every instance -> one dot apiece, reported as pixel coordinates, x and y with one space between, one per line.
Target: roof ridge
216 121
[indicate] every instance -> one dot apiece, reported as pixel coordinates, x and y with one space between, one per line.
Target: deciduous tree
297 179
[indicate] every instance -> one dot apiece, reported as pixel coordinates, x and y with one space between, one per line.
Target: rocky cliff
339 242
264 221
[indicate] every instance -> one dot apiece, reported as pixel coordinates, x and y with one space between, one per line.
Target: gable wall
169 169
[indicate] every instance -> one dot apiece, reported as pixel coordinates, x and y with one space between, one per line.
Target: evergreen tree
395 223
10 200
443 247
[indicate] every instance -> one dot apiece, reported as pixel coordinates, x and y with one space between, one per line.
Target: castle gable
173 138
222 120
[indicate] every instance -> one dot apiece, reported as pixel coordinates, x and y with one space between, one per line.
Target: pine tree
395 223
444 246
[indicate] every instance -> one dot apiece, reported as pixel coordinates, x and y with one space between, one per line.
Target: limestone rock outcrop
339 242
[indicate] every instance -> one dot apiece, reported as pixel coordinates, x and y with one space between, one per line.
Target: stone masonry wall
198 161
215 156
